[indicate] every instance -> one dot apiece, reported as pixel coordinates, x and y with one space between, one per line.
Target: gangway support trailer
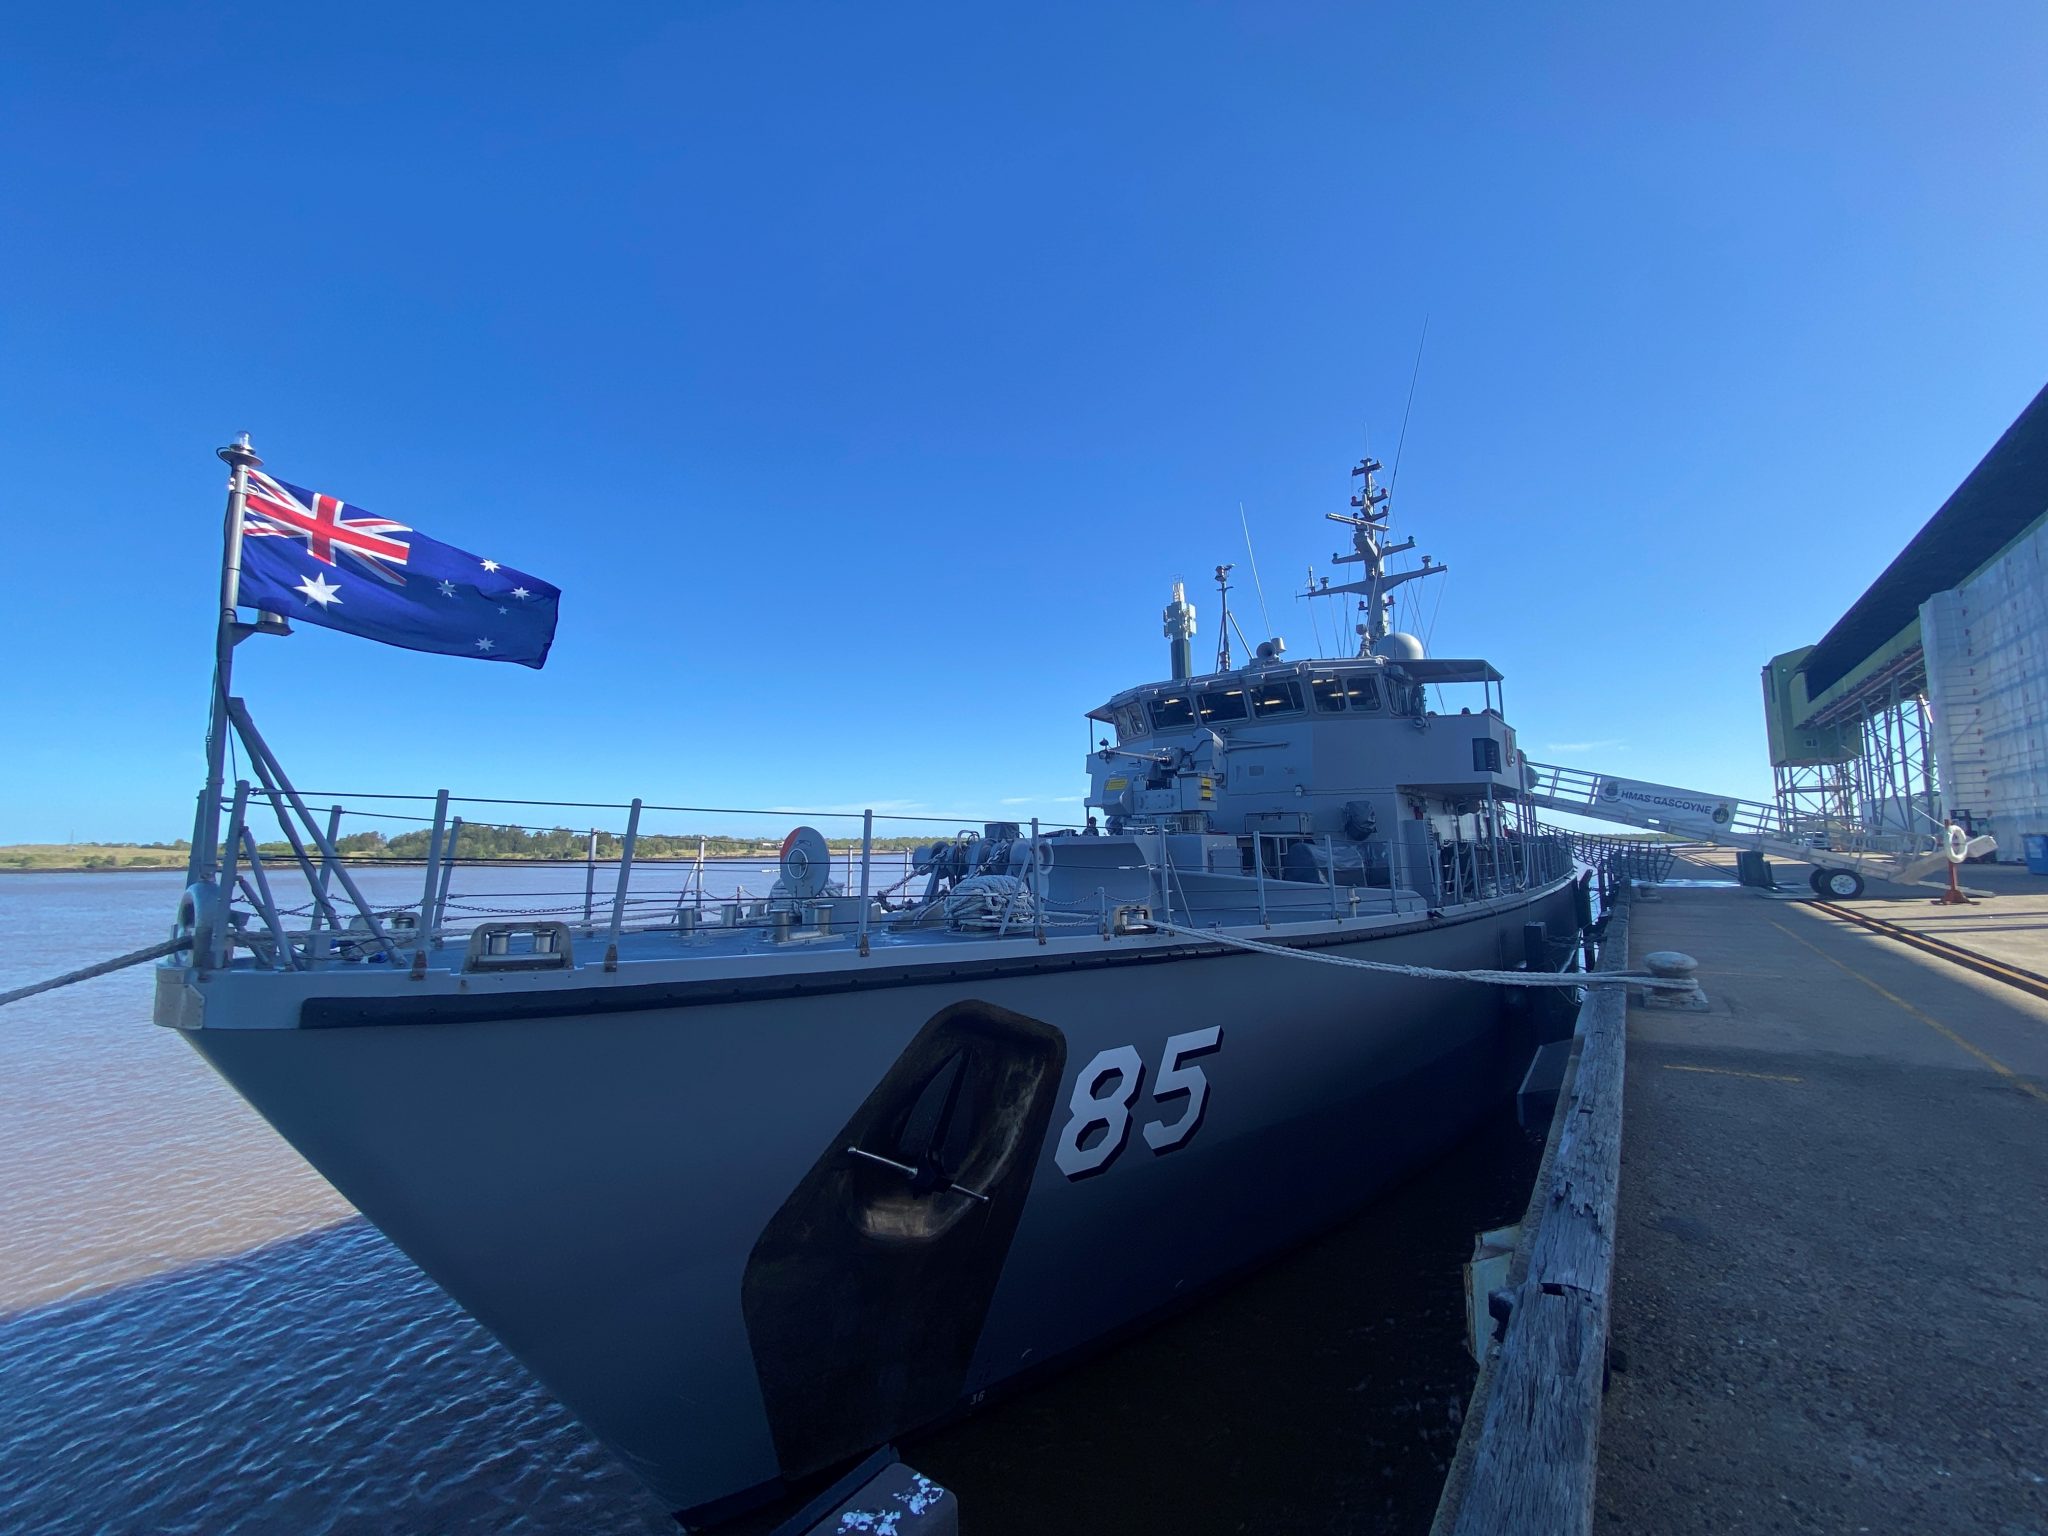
1843 857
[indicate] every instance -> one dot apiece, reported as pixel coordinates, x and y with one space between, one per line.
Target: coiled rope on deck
1431 973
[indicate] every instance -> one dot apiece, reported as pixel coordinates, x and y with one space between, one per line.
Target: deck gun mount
1172 786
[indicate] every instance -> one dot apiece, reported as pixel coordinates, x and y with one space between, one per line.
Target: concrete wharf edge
1528 1451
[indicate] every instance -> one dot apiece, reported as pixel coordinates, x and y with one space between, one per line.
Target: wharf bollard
1678 966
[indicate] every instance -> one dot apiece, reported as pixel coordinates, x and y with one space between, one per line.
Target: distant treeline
478 841
482 841
68 856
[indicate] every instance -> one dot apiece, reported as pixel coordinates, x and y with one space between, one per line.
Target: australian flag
316 558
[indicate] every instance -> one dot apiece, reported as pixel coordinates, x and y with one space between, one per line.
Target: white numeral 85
1120 1069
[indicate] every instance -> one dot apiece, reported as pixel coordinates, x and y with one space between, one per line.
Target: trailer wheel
1842 884
1814 879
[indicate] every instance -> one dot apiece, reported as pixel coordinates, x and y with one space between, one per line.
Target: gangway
1843 856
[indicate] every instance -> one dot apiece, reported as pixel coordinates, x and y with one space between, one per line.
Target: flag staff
204 865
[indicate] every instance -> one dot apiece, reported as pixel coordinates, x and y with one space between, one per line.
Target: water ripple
317 1384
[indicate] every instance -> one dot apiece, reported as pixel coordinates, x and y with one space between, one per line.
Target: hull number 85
1099 1109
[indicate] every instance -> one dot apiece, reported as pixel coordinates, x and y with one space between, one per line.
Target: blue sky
864 374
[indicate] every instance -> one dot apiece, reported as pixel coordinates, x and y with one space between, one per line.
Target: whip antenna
1257 585
1414 374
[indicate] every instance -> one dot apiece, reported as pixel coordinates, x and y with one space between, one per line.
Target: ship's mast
1223 626
1368 524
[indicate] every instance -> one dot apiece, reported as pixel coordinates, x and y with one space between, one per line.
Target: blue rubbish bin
2037 852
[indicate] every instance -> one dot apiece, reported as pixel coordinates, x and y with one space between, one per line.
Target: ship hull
655 1208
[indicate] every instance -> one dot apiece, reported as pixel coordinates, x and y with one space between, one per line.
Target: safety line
1925 1018
1764 1077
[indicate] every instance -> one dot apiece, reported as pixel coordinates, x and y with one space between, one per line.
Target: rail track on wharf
2031 982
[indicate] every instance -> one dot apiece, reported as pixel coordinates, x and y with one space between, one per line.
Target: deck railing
294 927
309 901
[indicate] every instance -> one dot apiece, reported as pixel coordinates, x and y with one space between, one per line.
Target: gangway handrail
1727 820
1582 787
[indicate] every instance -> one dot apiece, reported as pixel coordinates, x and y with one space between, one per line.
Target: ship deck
588 971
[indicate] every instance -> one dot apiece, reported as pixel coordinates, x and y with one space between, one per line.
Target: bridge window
1130 722
1328 693
1276 696
1172 709
1363 690
1222 704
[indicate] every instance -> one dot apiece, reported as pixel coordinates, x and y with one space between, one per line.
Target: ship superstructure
754 1185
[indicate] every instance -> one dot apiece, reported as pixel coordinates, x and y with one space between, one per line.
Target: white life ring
1958 844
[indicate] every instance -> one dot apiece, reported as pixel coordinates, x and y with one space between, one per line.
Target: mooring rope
1158 925
1430 973
154 952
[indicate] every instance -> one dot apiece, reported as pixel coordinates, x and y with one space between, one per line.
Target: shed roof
2005 493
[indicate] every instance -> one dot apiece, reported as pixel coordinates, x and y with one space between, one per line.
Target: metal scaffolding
1815 798
1887 787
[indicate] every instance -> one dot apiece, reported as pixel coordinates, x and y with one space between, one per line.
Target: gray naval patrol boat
754 1189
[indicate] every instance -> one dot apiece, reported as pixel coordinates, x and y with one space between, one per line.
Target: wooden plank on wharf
1529 1463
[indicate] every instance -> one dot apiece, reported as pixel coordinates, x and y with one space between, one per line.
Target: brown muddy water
198 1335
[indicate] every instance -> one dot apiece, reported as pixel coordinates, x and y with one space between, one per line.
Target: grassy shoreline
90 858
128 858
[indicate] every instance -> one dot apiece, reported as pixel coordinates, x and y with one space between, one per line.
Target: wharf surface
2009 926
1831 1272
